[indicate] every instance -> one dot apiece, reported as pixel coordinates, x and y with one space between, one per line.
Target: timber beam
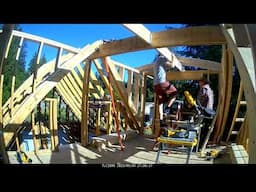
191 36
146 35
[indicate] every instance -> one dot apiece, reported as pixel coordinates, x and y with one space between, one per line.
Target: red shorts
164 91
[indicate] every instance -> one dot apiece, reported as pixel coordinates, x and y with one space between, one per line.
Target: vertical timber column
85 104
34 85
228 90
156 122
35 140
59 109
109 118
53 126
250 92
129 86
222 88
136 90
5 38
142 101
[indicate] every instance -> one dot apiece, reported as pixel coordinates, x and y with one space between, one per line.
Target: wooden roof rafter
141 31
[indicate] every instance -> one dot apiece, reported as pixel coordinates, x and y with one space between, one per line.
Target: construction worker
165 91
205 97
205 94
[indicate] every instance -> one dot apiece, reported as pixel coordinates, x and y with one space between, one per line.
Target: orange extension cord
114 107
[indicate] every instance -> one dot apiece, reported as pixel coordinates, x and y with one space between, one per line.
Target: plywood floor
138 150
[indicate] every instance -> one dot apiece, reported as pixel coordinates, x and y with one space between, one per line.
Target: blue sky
79 35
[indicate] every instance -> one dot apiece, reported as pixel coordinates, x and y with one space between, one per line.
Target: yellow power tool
189 98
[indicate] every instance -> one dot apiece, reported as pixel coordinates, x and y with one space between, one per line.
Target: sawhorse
189 142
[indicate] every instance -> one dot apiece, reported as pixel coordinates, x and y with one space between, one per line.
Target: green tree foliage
13 67
32 63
